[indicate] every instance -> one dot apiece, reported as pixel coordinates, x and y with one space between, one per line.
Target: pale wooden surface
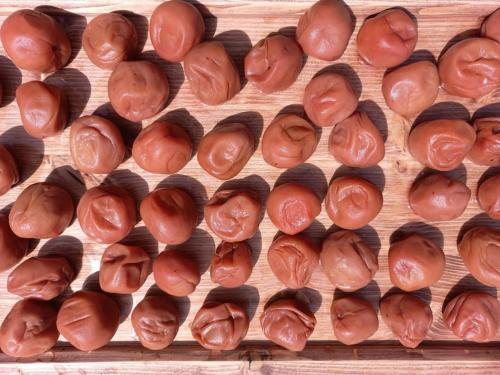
239 24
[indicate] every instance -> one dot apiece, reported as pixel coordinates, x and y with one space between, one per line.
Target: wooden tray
240 24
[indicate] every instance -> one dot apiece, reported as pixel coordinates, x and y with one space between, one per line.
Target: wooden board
240 24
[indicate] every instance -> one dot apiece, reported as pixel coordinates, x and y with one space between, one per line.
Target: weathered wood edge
267 352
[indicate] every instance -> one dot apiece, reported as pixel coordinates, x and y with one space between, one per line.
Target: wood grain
265 358
240 24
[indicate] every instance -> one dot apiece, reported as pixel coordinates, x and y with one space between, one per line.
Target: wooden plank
262 357
264 351
239 24
277 368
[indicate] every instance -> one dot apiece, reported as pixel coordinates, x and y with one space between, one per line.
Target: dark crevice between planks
250 351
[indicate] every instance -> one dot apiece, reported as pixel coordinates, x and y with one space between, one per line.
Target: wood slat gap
264 351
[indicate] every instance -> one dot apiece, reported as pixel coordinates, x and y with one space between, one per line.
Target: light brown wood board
240 24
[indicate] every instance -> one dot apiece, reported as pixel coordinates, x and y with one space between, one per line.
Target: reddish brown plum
9 174
273 64
224 151
480 252
43 108
88 320
175 27
234 215
486 149
211 73
348 261
162 147
352 202
471 68
96 145
293 259
42 210
292 207
356 142
324 29
473 316
288 141
138 90
124 269
220 326
328 99
175 273
29 329
231 264
441 144
170 214
411 89
353 320
155 321
437 197
388 38
41 277
106 213
491 26
35 41
488 196
408 317
288 324
415 262
109 39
